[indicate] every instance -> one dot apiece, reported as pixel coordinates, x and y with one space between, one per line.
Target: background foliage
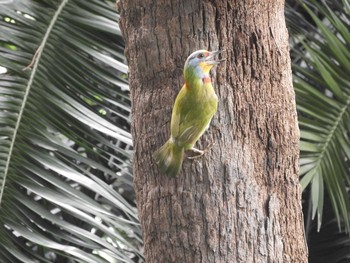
65 145
321 63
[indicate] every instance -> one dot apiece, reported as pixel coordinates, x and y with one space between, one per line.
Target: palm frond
322 86
65 143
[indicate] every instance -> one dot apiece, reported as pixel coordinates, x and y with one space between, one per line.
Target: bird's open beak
211 60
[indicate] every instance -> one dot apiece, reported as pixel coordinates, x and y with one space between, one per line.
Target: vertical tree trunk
241 201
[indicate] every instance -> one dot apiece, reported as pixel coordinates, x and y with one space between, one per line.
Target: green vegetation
65 146
321 66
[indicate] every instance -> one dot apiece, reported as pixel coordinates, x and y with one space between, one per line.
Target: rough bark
241 201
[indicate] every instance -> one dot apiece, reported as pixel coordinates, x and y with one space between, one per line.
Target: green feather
169 158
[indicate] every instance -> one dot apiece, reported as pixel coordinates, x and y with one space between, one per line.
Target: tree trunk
240 202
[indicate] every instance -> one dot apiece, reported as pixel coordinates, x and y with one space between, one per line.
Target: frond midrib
332 132
36 59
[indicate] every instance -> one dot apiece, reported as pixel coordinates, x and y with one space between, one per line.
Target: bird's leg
199 152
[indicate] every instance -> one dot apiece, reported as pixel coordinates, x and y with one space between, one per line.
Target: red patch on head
206 54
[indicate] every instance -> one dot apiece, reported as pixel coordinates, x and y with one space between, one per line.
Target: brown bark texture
240 202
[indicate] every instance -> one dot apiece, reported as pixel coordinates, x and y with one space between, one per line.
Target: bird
194 107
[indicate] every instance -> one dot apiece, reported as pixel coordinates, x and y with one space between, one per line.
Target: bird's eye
201 55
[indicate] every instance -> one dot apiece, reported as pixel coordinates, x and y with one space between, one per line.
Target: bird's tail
169 158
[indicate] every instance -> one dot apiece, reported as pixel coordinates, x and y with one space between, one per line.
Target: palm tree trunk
241 201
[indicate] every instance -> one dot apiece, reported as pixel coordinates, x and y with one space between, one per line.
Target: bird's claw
200 152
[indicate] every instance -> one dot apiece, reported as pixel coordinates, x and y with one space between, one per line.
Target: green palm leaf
65 143
322 86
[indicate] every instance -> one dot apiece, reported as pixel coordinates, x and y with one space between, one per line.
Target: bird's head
200 62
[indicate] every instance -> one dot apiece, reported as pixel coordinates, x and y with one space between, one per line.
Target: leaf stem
28 88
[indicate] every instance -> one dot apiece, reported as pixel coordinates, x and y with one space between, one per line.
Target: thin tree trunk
240 202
